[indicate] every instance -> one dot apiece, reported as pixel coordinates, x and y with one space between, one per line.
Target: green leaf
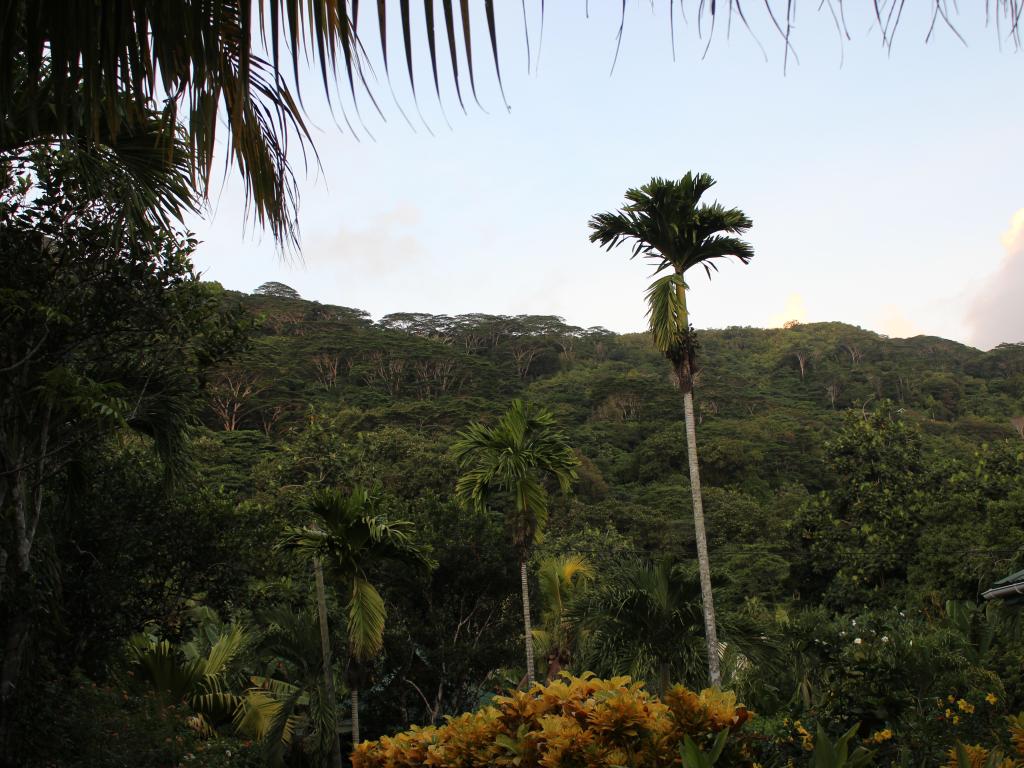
366 616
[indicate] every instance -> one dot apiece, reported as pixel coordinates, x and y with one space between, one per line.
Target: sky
884 185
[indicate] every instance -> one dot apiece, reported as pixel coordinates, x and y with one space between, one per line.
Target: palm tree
666 223
346 537
644 621
198 673
561 580
288 706
512 458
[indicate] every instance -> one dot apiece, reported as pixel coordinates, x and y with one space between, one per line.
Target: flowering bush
583 722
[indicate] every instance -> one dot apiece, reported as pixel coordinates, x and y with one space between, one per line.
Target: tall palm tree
511 459
347 535
561 580
666 223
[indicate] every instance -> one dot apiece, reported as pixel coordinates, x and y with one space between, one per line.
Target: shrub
582 722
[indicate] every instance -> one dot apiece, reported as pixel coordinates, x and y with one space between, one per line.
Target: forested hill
380 403
766 398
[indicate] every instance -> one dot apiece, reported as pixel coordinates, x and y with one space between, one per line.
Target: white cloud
387 244
996 313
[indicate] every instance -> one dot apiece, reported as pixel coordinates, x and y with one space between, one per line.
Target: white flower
857 641
854 622
885 638
227 752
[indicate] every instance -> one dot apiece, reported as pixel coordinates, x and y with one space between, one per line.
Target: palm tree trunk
703 563
527 627
325 647
355 717
685 373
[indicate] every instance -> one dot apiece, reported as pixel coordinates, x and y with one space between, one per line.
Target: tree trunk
703 563
14 647
355 717
684 370
527 627
325 647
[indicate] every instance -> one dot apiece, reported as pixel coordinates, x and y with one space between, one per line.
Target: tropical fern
202 681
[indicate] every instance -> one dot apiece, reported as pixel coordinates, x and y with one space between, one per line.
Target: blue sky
883 186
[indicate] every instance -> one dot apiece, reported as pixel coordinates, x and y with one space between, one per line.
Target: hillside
766 399
380 403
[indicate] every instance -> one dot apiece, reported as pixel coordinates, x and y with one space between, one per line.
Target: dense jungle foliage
860 491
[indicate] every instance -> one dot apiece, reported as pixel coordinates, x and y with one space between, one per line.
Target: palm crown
667 223
348 536
561 580
510 457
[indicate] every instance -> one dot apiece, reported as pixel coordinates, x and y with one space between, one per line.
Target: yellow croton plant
574 721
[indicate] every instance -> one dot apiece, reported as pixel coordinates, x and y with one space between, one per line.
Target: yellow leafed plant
577 722
1016 725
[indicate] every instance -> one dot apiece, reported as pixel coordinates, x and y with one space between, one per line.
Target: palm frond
667 317
543 640
212 63
164 668
225 650
305 542
216 706
278 688
206 64
575 568
366 617
257 712
270 715
143 168
558 576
